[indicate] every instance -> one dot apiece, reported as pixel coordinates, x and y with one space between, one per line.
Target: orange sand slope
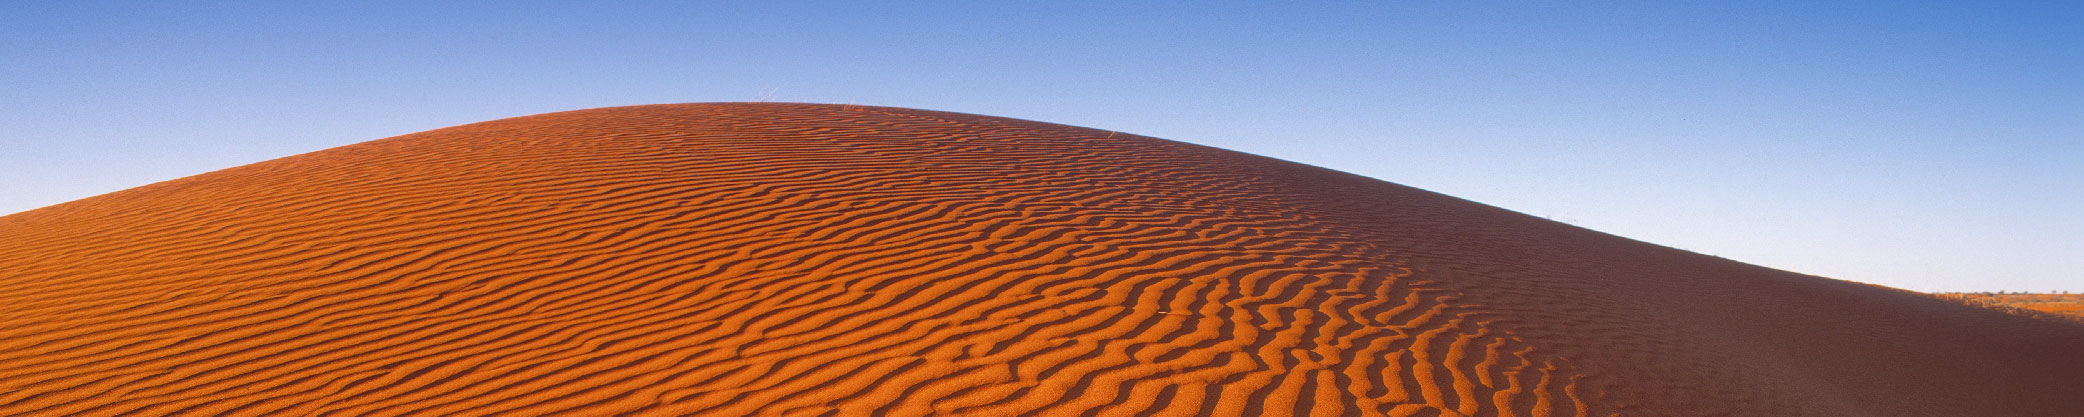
792 259
2068 305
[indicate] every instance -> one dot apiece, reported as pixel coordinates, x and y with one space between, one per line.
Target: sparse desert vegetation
2070 306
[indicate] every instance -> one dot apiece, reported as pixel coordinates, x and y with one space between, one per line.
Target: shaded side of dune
760 259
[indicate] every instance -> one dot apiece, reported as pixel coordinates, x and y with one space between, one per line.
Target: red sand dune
793 259
2070 306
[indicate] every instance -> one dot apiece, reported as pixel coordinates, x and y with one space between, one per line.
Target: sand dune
792 259
2061 306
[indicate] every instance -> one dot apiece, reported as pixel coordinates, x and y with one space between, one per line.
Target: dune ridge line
804 259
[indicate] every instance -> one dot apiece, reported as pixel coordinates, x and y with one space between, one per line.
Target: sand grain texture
794 259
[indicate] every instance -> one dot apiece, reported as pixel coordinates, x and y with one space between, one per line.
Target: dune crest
797 259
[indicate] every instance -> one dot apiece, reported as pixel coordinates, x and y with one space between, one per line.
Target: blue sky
1921 145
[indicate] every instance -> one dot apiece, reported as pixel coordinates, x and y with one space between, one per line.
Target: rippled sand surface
795 259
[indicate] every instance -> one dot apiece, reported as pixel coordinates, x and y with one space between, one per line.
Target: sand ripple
782 259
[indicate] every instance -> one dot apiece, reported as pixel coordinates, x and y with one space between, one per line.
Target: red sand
2065 305
789 259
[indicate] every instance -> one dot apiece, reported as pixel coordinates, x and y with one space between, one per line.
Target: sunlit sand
793 259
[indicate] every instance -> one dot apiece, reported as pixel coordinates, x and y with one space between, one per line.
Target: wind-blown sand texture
794 259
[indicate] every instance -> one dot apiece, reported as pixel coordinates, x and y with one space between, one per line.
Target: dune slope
795 259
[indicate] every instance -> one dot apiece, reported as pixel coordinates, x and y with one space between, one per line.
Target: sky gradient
1926 146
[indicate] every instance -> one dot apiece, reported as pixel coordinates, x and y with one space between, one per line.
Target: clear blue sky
1928 146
